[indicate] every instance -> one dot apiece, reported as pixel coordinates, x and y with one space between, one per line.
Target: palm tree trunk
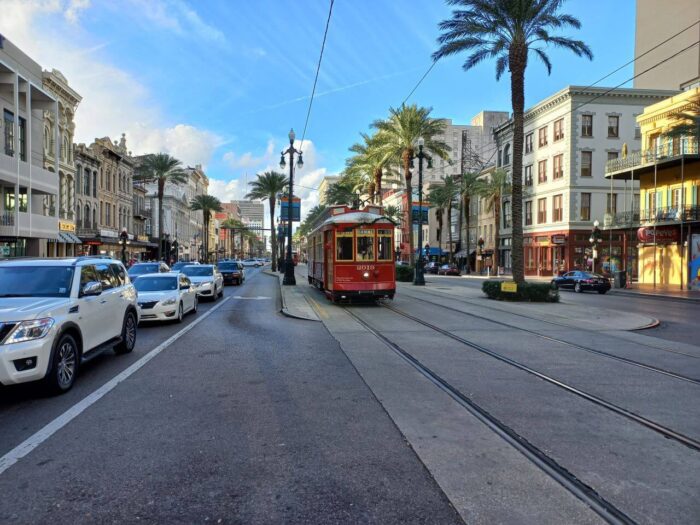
459 222
407 154
378 185
372 190
273 236
161 235
449 231
497 218
205 238
467 205
517 62
439 235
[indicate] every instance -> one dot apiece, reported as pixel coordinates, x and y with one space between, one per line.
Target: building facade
28 187
569 137
666 216
326 182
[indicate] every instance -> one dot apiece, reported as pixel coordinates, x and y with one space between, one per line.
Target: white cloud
227 191
248 160
114 101
178 17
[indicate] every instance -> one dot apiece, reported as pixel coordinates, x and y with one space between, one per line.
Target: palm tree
342 192
393 213
470 186
494 189
451 190
397 138
268 186
162 169
371 163
508 30
309 221
438 200
208 204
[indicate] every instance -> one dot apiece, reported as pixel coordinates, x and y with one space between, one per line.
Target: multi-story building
326 182
56 84
253 217
667 211
568 139
139 231
87 208
665 44
28 187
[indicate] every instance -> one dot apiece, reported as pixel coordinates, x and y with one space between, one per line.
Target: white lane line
24 448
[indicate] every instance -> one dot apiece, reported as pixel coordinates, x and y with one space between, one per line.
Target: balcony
42 180
670 215
30 225
626 219
664 155
142 213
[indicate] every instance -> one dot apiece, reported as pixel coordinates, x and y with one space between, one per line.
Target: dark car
432 267
448 269
232 271
144 268
581 281
176 267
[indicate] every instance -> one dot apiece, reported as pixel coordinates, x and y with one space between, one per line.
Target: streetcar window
365 245
343 246
384 245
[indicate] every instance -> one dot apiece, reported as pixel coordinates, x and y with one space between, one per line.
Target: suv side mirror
91 288
184 287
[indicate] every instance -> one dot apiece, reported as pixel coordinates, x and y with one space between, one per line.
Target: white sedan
165 296
207 279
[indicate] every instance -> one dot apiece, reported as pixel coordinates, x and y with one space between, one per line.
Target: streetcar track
602 353
478 305
545 463
648 423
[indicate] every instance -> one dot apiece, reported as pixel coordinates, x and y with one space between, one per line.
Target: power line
419 81
318 69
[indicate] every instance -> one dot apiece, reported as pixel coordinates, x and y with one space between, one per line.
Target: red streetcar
351 254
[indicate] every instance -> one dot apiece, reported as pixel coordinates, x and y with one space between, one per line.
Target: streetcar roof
356 217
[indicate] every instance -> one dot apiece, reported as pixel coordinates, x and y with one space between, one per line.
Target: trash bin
620 279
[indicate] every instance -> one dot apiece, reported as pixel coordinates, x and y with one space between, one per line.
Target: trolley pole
289 278
419 279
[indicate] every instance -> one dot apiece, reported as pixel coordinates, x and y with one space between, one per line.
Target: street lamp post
419 279
124 240
289 278
594 240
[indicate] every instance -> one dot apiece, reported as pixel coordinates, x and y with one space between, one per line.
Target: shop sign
559 239
510 287
142 238
66 226
108 233
694 263
662 235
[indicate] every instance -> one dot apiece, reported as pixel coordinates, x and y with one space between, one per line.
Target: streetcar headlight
365 275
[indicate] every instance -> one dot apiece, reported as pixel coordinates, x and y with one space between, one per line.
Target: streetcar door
328 260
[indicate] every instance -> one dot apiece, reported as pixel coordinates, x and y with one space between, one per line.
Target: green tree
342 192
266 187
370 163
397 139
309 221
393 213
207 204
470 187
161 169
508 31
494 189
451 190
438 200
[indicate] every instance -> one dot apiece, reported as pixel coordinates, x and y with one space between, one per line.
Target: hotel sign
66 226
662 235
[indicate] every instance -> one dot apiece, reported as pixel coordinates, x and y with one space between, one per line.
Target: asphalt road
249 417
678 317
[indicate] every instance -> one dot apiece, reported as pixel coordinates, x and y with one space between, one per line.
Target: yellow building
668 171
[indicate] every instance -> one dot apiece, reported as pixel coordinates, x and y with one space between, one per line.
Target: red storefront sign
662 235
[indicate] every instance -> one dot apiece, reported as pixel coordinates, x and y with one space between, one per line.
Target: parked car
150 267
178 265
432 267
206 277
165 296
232 272
448 269
402 263
250 262
582 281
55 314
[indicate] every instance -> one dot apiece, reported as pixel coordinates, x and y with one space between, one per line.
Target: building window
676 199
542 171
528 175
10 200
613 126
611 205
558 164
528 213
586 163
22 139
542 134
528 142
612 155
558 129
506 155
9 127
507 216
557 208
585 206
499 160
94 184
541 211
586 125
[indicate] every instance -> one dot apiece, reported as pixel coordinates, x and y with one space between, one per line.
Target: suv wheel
64 366
128 334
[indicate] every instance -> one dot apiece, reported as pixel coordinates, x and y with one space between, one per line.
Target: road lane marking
32 442
256 298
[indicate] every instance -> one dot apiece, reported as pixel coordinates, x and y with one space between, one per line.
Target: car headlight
168 302
206 283
29 330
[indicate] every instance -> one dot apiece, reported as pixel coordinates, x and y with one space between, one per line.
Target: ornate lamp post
289 278
124 240
419 279
594 240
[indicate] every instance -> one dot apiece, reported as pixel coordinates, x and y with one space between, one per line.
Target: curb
657 296
654 323
284 310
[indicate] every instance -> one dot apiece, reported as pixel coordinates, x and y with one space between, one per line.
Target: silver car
207 280
165 296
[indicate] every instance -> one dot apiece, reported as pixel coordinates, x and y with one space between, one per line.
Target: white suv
57 313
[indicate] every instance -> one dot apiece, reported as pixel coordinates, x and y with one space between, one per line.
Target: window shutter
694 195
668 197
658 200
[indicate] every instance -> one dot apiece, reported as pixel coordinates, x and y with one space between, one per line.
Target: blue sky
220 82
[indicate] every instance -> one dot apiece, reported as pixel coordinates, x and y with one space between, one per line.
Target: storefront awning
68 238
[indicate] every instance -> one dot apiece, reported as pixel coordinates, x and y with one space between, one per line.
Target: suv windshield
155 284
228 267
140 269
36 281
197 271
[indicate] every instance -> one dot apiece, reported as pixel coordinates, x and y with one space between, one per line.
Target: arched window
102 182
506 155
47 139
79 178
79 214
94 217
87 216
94 183
507 217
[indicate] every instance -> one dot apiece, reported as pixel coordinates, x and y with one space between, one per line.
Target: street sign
415 214
296 208
509 287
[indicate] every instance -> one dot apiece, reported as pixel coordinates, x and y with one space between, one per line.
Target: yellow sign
143 238
510 287
66 226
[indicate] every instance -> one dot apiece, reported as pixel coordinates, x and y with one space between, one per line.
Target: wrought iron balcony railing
672 214
7 218
664 152
626 219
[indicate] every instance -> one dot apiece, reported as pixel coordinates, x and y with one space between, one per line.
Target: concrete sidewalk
294 303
